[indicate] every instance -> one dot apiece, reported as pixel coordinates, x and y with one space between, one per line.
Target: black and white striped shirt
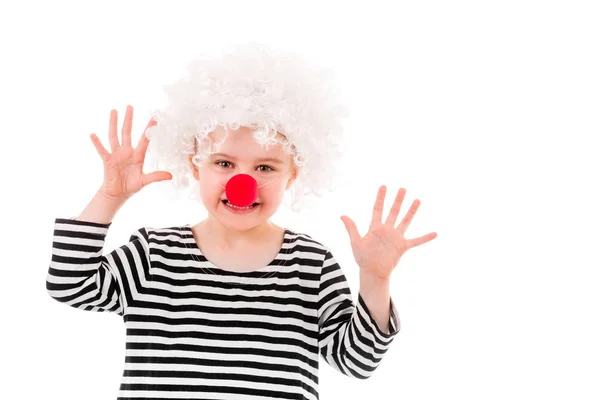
196 331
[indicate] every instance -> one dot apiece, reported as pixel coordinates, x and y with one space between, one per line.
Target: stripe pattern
196 331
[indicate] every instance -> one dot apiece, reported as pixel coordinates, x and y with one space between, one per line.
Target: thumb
351 228
156 177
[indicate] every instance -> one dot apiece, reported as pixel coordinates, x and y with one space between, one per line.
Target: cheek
272 192
208 190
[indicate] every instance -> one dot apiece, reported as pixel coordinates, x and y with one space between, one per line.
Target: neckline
275 263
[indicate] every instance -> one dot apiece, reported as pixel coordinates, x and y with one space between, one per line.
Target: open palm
379 251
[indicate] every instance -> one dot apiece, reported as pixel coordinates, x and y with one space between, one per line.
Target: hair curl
253 86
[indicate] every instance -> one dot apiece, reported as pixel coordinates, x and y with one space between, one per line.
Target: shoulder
153 234
167 242
304 242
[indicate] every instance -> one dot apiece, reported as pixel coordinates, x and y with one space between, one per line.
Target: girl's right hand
123 176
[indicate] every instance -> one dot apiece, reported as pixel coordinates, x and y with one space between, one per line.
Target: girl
234 306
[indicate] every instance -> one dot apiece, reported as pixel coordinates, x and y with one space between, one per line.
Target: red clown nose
241 190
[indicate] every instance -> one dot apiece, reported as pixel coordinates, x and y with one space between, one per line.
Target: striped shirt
196 331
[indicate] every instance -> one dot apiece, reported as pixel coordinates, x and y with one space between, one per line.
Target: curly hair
252 86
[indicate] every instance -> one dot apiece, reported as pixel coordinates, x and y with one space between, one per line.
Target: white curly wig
255 87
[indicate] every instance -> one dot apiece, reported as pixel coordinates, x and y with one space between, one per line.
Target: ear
194 167
293 177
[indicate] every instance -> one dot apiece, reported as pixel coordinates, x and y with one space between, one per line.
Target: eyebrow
274 160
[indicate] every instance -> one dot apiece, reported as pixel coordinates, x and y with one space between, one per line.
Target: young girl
234 307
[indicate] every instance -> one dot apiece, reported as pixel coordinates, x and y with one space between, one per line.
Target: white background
488 112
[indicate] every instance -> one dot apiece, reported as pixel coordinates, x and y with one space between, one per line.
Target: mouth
228 204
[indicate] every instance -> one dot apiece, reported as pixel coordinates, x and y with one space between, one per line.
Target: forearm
101 209
376 294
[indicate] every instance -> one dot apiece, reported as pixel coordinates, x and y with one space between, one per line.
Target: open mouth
228 204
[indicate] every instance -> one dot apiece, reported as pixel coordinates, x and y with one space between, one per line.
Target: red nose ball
241 190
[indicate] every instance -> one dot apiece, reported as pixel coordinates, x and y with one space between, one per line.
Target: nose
241 190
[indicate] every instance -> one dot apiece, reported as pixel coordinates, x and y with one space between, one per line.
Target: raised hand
123 176
379 251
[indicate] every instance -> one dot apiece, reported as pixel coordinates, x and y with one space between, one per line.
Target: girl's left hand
379 251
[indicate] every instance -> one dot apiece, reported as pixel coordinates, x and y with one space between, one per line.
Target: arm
376 295
350 339
80 276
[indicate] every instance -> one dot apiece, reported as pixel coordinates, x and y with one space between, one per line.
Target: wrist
108 198
368 277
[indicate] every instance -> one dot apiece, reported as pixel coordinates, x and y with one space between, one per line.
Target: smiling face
273 169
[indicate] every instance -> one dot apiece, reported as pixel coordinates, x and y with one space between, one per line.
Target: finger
409 216
378 208
112 131
156 176
391 219
423 239
126 130
144 141
351 228
104 154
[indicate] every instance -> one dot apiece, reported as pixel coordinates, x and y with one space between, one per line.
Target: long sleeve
349 338
80 275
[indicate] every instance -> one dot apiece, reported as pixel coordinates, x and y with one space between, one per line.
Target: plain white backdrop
487 112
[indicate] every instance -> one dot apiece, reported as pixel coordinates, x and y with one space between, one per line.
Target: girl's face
241 154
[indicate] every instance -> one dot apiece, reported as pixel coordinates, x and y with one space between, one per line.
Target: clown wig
255 87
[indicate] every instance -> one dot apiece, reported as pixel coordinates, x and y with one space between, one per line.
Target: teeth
239 208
